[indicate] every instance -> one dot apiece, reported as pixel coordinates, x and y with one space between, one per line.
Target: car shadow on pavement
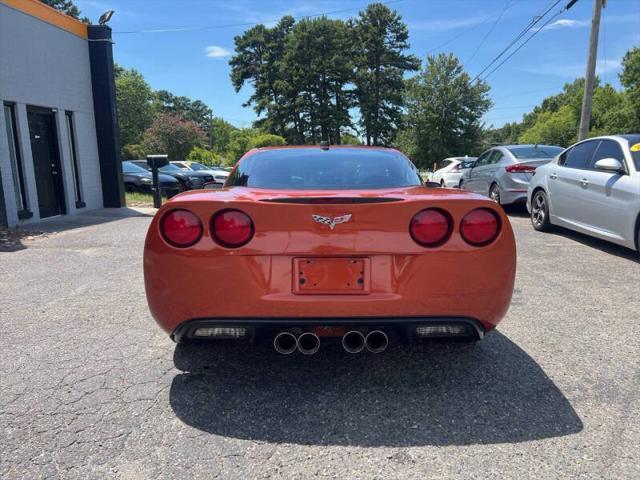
433 394
602 245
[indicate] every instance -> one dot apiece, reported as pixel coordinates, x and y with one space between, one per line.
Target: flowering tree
172 135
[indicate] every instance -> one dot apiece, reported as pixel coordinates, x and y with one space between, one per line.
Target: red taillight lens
520 169
430 227
231 228
480 227
181 228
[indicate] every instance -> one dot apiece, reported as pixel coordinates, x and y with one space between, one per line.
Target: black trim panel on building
106 119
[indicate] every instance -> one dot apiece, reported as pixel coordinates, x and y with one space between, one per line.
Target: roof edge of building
50 15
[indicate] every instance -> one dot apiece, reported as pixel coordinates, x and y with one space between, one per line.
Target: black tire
540 211
461 185
441 183
494 193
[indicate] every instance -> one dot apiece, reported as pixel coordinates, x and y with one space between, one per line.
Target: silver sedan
593 187
503 173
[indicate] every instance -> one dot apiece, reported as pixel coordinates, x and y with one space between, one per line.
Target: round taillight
480 227
430 227
231 228
180 228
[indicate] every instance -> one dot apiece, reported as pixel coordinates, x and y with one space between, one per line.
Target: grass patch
138 199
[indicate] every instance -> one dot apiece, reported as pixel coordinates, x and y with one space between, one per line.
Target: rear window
533 152
467 163
333 169
128 167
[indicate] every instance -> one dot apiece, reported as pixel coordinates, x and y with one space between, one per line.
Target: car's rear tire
494 193
540 211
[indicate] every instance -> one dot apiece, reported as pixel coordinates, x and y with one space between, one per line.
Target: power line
484 21
522 33
484 39
522 94
245 24
524 43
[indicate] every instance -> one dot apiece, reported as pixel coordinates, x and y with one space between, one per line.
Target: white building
56 86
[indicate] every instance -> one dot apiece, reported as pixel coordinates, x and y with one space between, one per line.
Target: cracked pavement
91 388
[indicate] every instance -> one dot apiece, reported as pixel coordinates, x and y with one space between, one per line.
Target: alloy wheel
538 209
494 194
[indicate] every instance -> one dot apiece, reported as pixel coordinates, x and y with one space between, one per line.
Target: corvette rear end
297 267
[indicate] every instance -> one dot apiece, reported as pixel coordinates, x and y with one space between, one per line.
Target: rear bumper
258 328
509 197
185 287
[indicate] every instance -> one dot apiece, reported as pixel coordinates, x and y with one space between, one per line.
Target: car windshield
170 168
128 167
197 167
536 151
325 169
634 146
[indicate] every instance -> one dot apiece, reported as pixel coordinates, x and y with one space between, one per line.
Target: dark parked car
137 179
189 180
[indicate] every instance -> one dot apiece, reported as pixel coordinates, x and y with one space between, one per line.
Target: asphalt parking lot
91 388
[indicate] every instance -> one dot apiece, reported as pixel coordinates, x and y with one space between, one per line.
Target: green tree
444 112
630 79
318 61
172 135
554 128
267 140
220 132
240 142
380 38
193 110
67 7
135 112
258 60
133 152
205 156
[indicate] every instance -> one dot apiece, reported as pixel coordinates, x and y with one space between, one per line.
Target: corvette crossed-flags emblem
331 222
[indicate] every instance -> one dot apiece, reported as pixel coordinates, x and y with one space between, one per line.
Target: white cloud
217 52
566 23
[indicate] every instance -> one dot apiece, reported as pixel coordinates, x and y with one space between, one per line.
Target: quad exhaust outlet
285 343
353 341
376 341
308 343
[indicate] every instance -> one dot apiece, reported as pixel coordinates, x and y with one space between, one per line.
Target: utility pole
589 79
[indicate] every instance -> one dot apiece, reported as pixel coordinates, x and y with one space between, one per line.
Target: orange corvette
308 244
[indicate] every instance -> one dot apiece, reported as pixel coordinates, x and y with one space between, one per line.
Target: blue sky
184 46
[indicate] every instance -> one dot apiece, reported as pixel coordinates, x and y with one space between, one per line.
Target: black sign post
156 162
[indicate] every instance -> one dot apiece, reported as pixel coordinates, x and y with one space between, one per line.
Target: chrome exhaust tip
285 343
377 341
353 341
308 343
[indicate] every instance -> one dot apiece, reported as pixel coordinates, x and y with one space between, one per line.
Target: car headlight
146 180
195 179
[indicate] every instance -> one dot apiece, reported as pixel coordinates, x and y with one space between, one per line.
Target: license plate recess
331 276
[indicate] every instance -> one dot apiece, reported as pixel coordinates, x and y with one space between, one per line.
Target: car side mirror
609 165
